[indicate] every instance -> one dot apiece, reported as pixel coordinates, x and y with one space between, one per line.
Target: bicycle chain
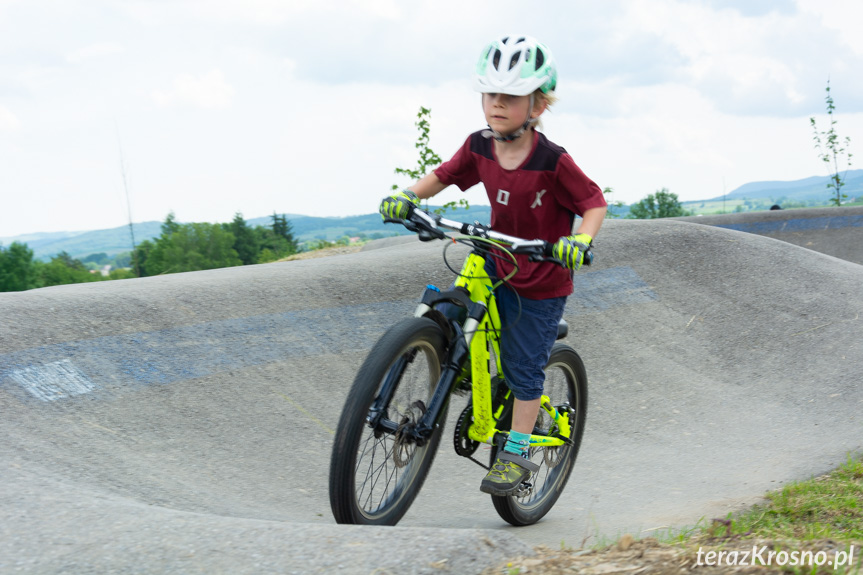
464 445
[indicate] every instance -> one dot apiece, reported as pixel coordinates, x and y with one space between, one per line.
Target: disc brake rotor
403 445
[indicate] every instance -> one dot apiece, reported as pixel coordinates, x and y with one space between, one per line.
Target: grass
826 507
807 527
822 515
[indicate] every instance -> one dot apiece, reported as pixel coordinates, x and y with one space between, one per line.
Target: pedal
524 489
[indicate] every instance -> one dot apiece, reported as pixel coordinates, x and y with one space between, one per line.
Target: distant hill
81 244
331 228
814 188
116 240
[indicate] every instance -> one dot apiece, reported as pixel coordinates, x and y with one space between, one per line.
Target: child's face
505 113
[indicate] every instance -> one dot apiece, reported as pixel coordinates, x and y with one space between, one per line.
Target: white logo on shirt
503 197
538 200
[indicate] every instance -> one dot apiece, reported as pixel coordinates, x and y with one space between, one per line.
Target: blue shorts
526 340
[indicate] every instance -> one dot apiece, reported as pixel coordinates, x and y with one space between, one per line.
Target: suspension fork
457 355
433 413
452 367
376 411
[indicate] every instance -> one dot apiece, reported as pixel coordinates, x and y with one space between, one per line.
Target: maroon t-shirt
537 200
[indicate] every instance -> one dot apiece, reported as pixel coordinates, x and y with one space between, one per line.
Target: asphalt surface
183 423
830 231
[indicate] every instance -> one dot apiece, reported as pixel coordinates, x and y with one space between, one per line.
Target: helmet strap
528 123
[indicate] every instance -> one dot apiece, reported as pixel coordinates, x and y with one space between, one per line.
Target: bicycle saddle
562 329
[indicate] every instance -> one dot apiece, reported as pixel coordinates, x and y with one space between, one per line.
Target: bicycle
392 421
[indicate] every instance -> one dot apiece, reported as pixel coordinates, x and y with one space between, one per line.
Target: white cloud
309 105
209 91
9 122
839 16
755 60
94 52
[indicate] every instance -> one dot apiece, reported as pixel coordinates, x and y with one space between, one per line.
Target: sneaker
508 471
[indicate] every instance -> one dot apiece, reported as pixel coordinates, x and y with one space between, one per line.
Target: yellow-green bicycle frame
478 335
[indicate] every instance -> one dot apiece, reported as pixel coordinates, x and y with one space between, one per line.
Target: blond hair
549 98
545 98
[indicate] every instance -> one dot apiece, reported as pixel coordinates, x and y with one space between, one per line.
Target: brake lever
588 259
427 235
424 232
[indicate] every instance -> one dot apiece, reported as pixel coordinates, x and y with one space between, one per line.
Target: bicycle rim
566 382
375 476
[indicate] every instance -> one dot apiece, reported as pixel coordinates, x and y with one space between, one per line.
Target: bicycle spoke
566 387
388 466
382 470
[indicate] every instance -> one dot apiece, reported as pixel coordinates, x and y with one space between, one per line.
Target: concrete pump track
183 423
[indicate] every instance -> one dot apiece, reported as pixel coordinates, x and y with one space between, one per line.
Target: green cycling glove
399 206
570 250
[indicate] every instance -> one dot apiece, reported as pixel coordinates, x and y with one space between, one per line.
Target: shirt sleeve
460 170
581 193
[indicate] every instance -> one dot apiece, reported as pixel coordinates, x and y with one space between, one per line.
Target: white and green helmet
515 65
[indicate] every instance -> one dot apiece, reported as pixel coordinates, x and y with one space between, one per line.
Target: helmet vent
540 58
514 65
514 60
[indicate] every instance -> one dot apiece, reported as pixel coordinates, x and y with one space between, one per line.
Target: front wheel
375 474
565 384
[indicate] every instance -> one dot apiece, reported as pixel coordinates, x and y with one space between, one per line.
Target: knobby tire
566 381
374 478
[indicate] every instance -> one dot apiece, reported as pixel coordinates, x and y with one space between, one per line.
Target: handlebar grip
548 251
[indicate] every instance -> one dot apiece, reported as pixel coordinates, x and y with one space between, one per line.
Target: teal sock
517 443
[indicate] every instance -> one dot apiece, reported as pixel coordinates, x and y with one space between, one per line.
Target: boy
535 190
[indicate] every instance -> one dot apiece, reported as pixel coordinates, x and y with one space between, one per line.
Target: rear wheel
565 385
376 474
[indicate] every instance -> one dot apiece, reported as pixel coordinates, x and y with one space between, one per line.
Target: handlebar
428 227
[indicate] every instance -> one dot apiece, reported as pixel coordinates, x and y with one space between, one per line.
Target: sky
112 110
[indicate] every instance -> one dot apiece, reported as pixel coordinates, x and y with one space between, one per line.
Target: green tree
283 229
612 205
427 159
245 242
277 241
141 256
121 260
121 274
831 150
170 225
190 247
99 259
63 269
17 268
663 204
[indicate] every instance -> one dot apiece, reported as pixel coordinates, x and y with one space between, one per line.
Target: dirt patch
649 556
322 253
